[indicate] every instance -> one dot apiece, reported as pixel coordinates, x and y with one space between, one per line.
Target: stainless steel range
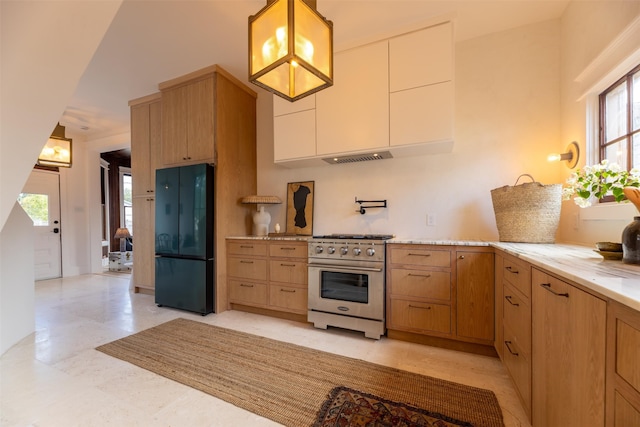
347 282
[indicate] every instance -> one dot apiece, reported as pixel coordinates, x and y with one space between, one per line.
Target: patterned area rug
346 407
288 383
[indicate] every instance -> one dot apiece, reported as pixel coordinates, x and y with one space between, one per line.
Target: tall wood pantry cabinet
207 116
145 150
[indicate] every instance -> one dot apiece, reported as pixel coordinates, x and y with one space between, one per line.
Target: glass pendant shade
57 150
290 49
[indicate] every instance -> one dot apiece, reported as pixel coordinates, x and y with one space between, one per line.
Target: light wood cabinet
441 292
207 116
270 275
353 114
568 343
145 149
188 117
623 366
513 322
474 295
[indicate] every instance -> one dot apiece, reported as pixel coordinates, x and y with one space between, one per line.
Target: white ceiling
152 41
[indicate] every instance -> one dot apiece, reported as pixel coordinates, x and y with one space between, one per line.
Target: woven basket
527 213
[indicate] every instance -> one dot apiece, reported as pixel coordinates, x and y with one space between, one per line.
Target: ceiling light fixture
571 156
57 150
290 49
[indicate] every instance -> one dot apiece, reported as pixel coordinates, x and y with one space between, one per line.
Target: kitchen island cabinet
268 277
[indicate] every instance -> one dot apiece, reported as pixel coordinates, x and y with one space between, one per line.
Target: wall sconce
57 150
261 219
290 49
122 234
571 156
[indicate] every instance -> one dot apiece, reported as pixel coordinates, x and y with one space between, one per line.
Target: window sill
609 212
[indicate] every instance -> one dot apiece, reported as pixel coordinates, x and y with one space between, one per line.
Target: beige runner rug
287 383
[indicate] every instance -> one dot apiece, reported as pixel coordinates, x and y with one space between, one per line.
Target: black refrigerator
184 236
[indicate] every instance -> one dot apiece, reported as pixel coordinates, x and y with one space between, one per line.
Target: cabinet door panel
287 271
420 316
568 354
421 257
288 250
247 292
288 298
174 125
200 119
353 114
247 268
140 159
247 248
421 115
421 284
421 58
294 135
475 300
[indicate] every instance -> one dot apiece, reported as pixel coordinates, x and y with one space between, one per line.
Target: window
126 199
620 121
36 206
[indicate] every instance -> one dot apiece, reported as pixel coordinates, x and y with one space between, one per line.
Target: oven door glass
352 287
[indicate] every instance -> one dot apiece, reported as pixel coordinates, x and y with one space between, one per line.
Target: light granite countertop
283 237
580 264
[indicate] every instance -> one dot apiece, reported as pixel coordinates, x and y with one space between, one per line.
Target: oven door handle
342 267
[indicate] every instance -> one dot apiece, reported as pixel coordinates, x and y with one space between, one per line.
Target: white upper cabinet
421 58
353 114
294 128
421 86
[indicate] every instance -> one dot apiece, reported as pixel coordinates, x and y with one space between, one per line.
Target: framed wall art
300 208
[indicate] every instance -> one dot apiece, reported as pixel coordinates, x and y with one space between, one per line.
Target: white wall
591 31
507 120
17 311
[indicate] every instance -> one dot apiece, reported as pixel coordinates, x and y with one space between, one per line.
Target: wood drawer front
247 268
287 271
421 257
625 413
288 250
518 364
627 353
518 274
421 284
422 316
517 317
247 292
288 298
247 248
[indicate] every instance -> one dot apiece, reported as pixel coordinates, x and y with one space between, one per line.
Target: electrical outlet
431 220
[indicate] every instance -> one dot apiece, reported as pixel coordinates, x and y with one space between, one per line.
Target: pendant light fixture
57 150
290 49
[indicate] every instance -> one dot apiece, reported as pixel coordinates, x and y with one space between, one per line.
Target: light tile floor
55 377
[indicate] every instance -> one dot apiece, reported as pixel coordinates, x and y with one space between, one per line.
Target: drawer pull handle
508 298
244 285
420 275
511 270
291 291
417 306
287 265
547 286
507 343
412 254
246 246
245 262
287 249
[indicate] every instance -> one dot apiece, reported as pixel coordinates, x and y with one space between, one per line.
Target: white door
40 198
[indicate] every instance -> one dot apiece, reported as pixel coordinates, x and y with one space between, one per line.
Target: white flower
583 203
598 181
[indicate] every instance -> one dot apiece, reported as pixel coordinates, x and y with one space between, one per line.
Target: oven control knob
319 249
331 250
357 251
371 252
344 250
